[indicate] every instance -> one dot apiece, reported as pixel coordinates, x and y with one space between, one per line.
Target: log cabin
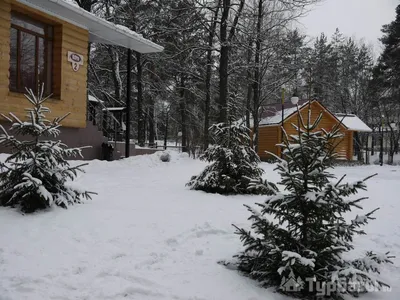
270 126
47 41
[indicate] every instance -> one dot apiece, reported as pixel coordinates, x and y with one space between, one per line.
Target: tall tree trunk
166 128
257 76
152 133
373 142
226 41
393 140
249 78
209 76
116 73
140 115
208 100
152 127
182 110
223 64
391 150
357 144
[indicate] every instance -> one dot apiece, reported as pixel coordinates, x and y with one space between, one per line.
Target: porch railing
113 128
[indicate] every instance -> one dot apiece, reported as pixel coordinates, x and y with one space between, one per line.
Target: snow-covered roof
272 114
94 99
100 30
352 122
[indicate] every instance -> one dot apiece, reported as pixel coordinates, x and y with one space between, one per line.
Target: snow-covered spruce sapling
301 235
37 175
233 163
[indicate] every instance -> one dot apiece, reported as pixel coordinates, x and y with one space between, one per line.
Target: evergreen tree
36 175
389 61
319 81
233 163
307 237
386 84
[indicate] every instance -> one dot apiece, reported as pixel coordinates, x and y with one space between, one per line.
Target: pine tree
36 175
233 163
320 61
389 61
386 84
302 234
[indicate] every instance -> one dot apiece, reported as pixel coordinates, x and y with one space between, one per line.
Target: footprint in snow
118 255
171 242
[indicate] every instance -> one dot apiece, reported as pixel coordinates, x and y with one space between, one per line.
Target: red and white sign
75 59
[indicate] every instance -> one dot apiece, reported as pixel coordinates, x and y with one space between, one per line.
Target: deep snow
147 236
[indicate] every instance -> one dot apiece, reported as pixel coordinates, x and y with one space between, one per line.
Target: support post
373 142
128 104
366 149
166 129
381 144
283 118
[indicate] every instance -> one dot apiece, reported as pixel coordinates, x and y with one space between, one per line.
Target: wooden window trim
46 39
20 28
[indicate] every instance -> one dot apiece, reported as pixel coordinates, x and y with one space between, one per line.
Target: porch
68 30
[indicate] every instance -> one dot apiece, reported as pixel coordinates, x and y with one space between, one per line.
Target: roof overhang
353 123
100 30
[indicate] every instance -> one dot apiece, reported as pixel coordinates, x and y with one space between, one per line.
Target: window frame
47 58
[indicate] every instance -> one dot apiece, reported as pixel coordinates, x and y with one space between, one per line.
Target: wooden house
270 132
46 41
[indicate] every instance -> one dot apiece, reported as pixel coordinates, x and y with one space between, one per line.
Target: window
31 48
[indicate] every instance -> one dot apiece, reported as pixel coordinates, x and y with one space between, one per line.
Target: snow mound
165 157
140 162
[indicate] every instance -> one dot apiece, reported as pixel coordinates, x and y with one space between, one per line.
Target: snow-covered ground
147 236
374 159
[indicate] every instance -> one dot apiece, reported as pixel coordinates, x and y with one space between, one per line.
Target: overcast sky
356 18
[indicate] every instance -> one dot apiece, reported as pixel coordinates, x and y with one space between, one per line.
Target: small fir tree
233 163
301 236
37 175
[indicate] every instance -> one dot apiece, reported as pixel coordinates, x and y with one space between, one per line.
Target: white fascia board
39 5
100 30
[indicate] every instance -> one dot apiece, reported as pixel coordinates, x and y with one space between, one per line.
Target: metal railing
100 116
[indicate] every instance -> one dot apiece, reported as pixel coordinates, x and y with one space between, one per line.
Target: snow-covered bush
36 175
299 239
165 157
233 163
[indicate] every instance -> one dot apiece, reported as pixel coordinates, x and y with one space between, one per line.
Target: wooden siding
270 136
69 87
350 141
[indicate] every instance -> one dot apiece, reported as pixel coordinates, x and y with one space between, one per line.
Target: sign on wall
75 59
